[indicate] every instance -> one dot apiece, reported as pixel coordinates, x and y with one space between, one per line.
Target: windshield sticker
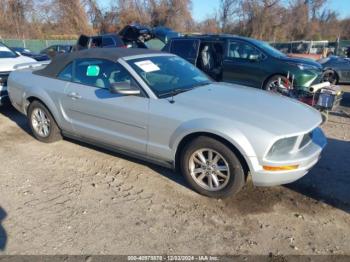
93 70
147 66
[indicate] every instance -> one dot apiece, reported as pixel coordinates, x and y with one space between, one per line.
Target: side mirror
124 88
18 53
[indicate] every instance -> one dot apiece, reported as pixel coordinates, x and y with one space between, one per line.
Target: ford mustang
160 108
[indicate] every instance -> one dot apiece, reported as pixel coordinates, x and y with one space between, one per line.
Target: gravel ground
71 198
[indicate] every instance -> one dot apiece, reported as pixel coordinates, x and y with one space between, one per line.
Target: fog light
280 168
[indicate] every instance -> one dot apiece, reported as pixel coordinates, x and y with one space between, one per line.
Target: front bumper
304 80
305 160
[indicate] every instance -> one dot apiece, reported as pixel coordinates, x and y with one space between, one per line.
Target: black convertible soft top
60 61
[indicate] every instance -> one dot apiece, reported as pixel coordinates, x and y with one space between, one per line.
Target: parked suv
246 61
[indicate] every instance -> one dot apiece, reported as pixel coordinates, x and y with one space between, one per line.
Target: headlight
282 146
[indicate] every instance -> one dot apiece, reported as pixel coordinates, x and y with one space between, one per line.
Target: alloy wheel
40 122
209 169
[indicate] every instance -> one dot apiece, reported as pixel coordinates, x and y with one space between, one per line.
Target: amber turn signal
280 168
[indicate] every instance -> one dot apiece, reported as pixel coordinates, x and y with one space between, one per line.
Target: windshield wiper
177 91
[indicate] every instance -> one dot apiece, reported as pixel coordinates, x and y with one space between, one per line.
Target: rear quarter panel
23 86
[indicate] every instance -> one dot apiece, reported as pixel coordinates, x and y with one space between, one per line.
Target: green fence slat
35 45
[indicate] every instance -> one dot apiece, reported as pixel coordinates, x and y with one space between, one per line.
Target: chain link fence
35 45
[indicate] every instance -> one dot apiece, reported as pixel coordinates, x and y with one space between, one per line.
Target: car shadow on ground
166 172
21 121
329 180
3 235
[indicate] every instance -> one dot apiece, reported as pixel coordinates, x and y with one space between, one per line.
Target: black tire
236 178
330 76
54 133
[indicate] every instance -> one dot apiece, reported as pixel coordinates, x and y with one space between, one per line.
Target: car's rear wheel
278 84
211 168
330 76
42 124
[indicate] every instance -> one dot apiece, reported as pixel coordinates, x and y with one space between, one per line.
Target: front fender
215 127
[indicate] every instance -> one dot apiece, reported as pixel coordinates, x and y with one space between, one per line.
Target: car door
95 113
244 64
186 48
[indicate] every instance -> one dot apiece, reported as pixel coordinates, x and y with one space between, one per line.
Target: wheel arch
189 137
30 99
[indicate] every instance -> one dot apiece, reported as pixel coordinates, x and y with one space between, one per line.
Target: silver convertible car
160 108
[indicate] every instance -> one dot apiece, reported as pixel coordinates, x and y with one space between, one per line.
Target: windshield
6 52
269 49
168 75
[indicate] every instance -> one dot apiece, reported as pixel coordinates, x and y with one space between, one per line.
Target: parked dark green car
247 61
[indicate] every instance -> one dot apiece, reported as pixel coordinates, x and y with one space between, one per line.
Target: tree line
272 20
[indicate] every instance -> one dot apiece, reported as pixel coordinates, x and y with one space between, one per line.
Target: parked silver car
160 108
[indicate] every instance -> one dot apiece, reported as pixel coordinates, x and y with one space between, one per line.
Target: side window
185 48
67 73
107 41
242 50
96 42
100 73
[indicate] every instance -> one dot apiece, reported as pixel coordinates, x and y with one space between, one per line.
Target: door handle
74 95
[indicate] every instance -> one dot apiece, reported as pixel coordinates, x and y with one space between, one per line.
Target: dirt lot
70 198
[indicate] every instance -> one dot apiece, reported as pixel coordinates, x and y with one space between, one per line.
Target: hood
297 60
273 113
7 64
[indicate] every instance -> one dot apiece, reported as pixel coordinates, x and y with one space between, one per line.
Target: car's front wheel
330 76
212 168
278 84
42 124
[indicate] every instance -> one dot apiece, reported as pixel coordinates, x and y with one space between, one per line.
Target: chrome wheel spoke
210 182
218 173
40 122
215 180
210 155
45 130
198 170
201 157
216 159
201 176
37 116
198 161
222 168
